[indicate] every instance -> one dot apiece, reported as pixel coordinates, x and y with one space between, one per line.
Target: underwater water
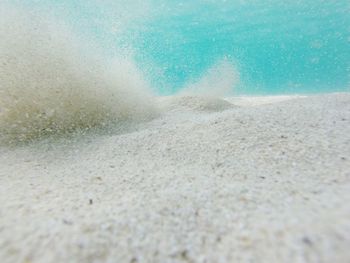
276 47
77 65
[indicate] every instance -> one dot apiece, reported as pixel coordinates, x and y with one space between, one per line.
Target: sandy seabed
242 180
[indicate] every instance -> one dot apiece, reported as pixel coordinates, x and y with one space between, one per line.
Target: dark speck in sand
307 241
91 201
67 222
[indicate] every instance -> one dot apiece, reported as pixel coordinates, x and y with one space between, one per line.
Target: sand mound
195 103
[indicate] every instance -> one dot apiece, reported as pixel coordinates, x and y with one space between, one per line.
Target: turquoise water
277 47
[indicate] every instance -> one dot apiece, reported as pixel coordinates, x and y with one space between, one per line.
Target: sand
238 180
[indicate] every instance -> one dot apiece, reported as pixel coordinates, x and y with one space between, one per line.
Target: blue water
278 47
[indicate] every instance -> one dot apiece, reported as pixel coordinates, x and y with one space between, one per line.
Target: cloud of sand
219 80
50 83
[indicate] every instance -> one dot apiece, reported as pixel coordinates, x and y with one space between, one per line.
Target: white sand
258 180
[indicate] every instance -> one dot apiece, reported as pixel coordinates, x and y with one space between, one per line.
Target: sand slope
250 181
